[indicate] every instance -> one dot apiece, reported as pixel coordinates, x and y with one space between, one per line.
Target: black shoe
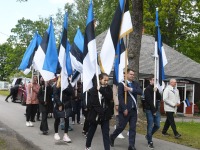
165 134
6 100
45 132
131 148
150 145
111 141
177 136
38 119
33 120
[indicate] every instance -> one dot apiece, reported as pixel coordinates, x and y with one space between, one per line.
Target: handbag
57 113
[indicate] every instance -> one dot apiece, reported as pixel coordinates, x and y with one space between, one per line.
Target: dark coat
101 111
66 99
149 98
136 91
49 91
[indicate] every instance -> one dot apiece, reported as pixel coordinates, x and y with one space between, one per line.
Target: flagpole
126 57
155 66
45 91
97 75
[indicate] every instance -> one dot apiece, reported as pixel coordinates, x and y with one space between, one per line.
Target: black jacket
149 98
66 96
40 96
136 91
101 111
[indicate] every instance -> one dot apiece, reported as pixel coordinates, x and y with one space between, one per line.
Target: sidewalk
183 119
12 114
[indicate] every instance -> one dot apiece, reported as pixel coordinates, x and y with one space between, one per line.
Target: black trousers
86 122
105 132
170 122
31 110
44 123
132 119
76 110
57 122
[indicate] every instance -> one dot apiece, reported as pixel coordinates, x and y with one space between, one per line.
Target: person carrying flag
152 112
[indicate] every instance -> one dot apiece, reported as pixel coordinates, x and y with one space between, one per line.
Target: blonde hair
58 85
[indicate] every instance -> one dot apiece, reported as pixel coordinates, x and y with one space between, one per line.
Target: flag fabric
119 65
46 56
121 25
90 51
76 52
186 103
64 56
29 53
160 57
75 77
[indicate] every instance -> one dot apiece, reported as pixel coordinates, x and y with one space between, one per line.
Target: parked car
21 94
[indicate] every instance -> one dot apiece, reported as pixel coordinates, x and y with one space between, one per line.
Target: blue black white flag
161 59
90 51
186 103
46 56
121 25
27 59
76 51
64 56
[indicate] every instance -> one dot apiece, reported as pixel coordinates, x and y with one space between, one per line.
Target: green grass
4 93
2 144
190 132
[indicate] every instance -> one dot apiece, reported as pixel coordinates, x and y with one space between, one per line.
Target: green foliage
179 23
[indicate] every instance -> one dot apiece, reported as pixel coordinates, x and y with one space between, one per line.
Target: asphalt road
12 115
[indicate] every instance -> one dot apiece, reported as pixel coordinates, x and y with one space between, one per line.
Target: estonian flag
64 57
160 55
90 51
29 54
119 65
46 56
121 25
186 103
75 77
76 52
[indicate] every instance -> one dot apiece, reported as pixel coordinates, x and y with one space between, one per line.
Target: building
184 69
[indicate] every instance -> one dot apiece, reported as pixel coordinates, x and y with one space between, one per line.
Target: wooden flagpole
125 71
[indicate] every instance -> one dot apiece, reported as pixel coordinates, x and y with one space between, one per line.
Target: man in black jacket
152 111
127 111
13 92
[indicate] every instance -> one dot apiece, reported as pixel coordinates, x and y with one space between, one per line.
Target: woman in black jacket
44 104
62 105
100 113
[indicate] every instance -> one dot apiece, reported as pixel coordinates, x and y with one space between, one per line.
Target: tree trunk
135 44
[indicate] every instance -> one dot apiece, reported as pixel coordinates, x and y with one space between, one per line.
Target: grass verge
4 93
190 132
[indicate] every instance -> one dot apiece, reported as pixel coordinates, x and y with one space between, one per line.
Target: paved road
12 115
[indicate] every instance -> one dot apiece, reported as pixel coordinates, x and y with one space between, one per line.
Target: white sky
11 11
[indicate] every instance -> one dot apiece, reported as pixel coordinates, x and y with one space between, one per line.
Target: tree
179 23
3 55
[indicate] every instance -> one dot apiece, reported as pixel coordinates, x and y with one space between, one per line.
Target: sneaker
165 134
70 128
87 148
66 138
177 136
79 123
150 145
120 136
84 133
30 124
73 122
27 124
56 136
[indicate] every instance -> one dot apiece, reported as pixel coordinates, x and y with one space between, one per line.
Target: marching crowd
98 105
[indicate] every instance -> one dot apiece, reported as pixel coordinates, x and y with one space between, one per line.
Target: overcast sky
11 11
